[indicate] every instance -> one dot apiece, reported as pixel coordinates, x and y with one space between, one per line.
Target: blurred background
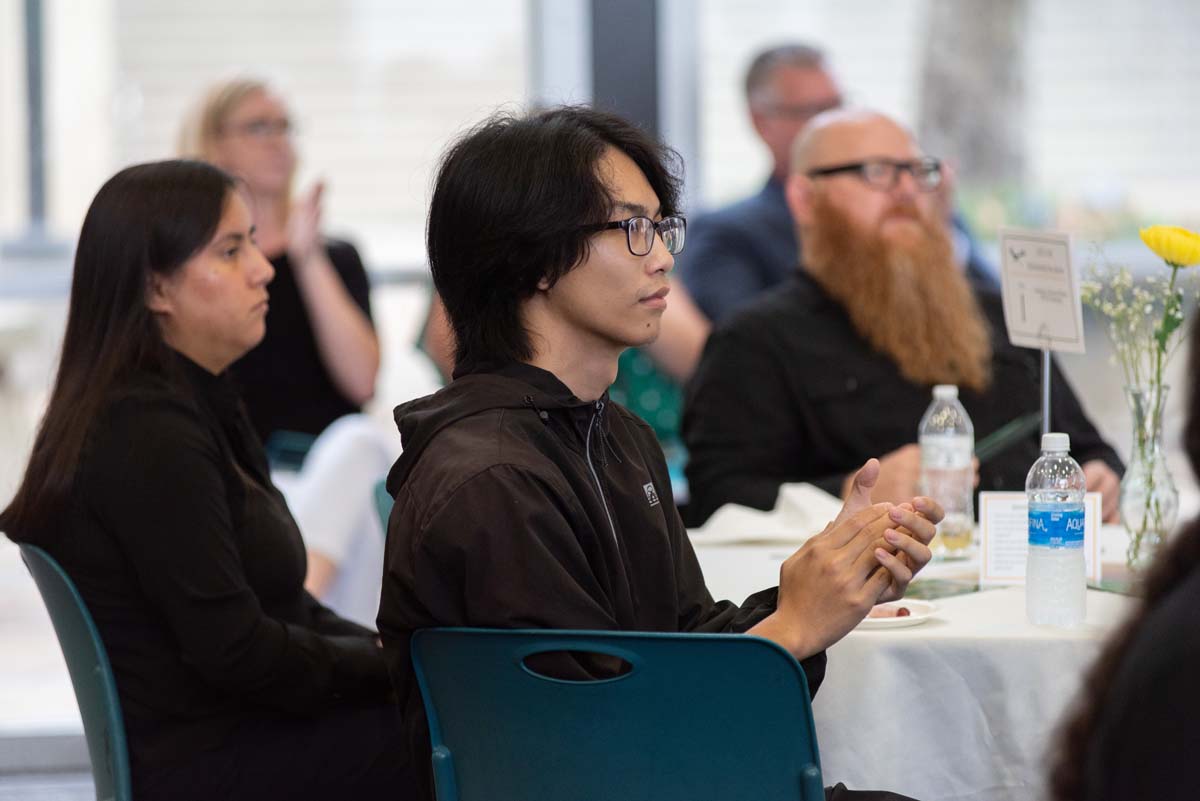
1076 115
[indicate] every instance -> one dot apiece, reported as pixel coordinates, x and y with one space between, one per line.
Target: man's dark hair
766 62
511 205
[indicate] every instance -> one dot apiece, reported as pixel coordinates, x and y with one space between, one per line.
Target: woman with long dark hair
1133 733
148 484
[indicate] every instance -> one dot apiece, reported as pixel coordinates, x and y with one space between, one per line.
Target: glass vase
1149 500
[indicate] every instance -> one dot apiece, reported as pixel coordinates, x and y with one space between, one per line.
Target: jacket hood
515 386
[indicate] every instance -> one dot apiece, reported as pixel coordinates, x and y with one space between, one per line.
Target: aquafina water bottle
1055 574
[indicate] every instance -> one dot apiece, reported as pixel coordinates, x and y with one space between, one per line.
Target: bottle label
1058 528
947 451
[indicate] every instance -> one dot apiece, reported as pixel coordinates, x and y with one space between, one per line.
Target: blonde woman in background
318 362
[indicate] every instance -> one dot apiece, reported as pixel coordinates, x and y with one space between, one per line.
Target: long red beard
908 300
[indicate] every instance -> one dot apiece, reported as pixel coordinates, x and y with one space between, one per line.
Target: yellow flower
1174 245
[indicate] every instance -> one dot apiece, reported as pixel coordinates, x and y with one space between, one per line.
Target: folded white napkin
801 510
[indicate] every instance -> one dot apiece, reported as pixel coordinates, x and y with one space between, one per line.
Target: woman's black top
192 566
284 381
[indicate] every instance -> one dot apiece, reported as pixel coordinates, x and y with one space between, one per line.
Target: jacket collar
546 382
509 385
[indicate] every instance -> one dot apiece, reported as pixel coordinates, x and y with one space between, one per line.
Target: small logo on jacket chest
651 494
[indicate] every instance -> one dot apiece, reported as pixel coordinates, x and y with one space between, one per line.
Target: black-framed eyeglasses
640 232
884 174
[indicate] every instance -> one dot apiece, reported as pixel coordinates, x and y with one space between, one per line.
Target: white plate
921 611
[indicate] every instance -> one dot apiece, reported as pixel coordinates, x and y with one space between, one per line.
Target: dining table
960 700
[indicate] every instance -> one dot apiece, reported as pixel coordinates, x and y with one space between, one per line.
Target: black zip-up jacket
519 505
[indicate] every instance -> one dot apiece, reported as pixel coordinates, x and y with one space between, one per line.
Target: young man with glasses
524 498
840 361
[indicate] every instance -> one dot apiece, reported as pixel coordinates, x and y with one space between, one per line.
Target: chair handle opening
576 666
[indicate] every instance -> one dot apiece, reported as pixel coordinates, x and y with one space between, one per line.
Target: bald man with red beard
838 364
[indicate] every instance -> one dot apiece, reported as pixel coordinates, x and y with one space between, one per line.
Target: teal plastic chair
697 717
91 675
286 450
383 503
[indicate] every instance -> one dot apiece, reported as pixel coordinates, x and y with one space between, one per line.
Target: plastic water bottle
947 441
1055 575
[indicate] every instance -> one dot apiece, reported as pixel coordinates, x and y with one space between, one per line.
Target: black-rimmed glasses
884 174
640 231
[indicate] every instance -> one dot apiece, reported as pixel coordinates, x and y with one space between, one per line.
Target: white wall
377 90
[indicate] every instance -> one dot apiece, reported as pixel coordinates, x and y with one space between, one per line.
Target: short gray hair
796 54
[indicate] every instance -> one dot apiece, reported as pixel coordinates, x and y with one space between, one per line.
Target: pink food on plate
889 611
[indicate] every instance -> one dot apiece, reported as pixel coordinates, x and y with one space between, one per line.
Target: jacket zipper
588 451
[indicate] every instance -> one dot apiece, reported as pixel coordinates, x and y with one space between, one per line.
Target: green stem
1146 437
1161 348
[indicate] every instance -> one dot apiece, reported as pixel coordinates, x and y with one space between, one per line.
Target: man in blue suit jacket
737 252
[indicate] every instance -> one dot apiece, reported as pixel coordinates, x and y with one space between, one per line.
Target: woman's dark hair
150 218
510 207
1176 562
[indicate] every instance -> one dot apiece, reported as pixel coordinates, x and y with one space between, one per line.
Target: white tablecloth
961 707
